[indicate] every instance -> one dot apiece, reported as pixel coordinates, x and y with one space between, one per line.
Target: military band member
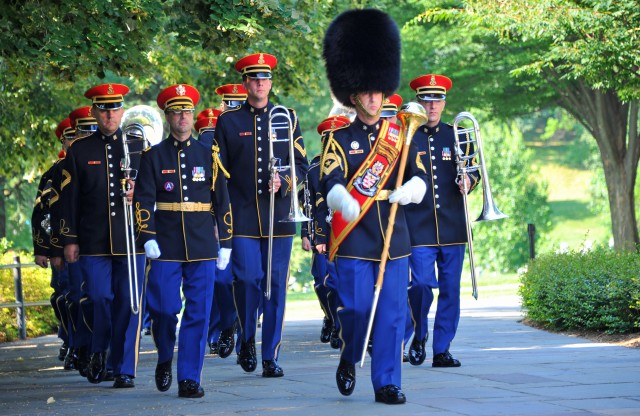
92 231
438 228
223 326
232 96
243 136
314 234
41 229
390 108
185 181
206 125
359 170
83 124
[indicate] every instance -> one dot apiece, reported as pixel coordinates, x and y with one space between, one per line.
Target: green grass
573 223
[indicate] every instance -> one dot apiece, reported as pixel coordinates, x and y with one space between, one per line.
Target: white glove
411 192
151 249
223 258
339 199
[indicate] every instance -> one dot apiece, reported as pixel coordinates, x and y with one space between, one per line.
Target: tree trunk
614 125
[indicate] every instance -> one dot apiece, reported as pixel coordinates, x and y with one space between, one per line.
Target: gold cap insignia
181 90
110 89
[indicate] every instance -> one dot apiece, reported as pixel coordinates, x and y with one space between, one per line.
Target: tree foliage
581 55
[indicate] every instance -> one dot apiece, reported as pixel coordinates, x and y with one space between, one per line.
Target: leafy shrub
40 320
597 290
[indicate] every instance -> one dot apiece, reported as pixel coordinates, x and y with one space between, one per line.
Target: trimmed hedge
597 290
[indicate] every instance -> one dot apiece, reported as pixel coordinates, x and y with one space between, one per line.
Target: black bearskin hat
362 54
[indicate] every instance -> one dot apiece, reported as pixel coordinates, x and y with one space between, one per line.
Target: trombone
141 127
295 214
490 211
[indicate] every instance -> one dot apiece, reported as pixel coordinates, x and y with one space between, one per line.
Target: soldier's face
257 88
434 111
108 120
180 122
367 104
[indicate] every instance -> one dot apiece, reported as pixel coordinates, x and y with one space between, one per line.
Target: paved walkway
507 369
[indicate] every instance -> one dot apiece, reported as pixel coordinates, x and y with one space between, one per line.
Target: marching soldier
390 108
185 181
41 227
232 96
84 124
314 234
244 139
359 171
92 232
438 226
223 325
206 125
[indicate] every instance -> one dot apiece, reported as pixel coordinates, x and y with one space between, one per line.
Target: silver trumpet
490 212
280 119
141 127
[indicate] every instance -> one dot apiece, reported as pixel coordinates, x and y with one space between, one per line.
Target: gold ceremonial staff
412 115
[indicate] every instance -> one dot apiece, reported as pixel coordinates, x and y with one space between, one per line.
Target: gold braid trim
419 163
67 179
216 166
388 151
298 146
141 221
332 158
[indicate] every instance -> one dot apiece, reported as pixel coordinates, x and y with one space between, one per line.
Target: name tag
246 133
422 153
168 171
356 152
94 162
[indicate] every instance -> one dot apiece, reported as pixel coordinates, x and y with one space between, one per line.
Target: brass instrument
141 127
489 210
275 166
412 115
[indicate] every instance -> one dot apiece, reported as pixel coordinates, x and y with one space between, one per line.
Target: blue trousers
249 265
115 327
355 281
333 298
223 309
79 334
319 271
164 303
423 263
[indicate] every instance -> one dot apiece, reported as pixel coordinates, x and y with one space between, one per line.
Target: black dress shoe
82 363
270 368
147 331
190 389
335 341
370 346
213 348
64 349
109 375
163 376
325 332
417 353
247 356
226 342
346 377
71 359
405 357
97 367
390 394
123 381
445 359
